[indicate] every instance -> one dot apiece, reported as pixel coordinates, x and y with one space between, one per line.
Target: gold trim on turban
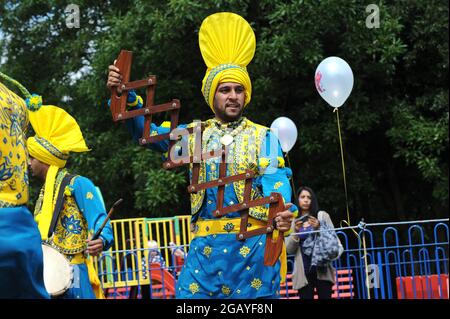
227 43
46 152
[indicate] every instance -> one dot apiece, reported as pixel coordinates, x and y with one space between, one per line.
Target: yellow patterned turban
57 134
227 43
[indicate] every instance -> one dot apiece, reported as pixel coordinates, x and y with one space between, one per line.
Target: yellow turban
227 43
57 134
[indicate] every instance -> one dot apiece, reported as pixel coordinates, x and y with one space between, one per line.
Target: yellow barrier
122 264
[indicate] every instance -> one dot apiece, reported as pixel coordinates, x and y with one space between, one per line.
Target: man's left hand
284 219
94 247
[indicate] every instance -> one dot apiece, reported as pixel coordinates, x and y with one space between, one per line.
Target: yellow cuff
138 99
165 124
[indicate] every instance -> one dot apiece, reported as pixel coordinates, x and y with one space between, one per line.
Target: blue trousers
21 261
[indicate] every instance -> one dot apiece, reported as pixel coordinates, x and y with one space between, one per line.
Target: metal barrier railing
122 264
407 260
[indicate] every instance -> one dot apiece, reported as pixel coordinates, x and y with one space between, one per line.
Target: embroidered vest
243 153
71 229
13 155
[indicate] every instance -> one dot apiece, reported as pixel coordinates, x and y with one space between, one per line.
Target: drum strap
59 203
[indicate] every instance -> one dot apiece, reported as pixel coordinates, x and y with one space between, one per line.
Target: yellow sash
93 276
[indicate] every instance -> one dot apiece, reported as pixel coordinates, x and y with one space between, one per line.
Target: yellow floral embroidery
89 195
226 290
277 185
67 191
264 162
280 162
256 283
194 288
248 268
207 251
71 229
13 162
245 156
244 251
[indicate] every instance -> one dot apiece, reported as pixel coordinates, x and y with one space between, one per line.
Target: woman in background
307 276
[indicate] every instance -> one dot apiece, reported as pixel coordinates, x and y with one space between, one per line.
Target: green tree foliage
394 125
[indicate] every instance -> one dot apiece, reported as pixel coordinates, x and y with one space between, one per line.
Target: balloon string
343 165
365 264
292 182
363 242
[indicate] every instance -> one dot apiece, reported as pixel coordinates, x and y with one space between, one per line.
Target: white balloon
334 80
286 132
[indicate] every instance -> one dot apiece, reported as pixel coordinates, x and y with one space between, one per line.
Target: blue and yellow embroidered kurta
218 265
13 156
82 214
21 264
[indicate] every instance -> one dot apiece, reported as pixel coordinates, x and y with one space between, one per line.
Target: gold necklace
227 138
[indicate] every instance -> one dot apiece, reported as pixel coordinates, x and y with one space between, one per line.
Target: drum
58 272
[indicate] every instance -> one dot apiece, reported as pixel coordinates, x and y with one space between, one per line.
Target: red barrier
425 287
343 288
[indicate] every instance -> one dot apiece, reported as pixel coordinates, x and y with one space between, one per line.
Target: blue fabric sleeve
136 125
275 176
90 204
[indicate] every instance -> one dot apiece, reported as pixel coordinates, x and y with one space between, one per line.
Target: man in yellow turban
82 212
218 265
21 261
